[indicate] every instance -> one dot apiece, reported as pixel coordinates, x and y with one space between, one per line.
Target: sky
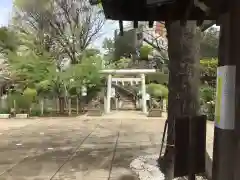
5 11
106 32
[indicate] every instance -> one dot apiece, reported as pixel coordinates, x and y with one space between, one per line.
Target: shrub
145 50
157 90
37 112
158 77
207 101
23 101
5 111
30 94
207 94
208 67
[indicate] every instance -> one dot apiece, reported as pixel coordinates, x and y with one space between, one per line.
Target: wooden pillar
234 52
227 92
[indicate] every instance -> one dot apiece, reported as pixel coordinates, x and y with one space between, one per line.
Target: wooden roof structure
163 10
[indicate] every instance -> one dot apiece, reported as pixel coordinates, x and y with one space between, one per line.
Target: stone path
77 148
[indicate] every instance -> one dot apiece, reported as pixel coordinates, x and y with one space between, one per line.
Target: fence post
69 107
77 106
14 106
42 107
57 104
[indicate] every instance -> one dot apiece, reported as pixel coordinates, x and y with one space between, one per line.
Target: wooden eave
138 10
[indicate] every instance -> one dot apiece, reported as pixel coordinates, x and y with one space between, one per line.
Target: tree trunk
183 50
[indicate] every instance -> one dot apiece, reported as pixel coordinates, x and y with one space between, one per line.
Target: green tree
84 74
29 69
67 83
8 40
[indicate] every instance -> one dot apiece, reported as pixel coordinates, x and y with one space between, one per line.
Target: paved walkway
76 148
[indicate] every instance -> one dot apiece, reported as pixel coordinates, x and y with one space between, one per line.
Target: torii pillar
143 89
109 93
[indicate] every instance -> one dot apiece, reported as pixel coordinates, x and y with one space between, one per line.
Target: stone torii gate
141 72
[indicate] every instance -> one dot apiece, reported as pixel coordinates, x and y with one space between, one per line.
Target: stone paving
77 148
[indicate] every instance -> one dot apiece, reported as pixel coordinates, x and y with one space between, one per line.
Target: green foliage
145 50
75 77
37 112
30 94
157 90
158 77
87 53
5 111
30 68
39 71
207 100
122 63
22 103
8 40
208 67
44 88
207 94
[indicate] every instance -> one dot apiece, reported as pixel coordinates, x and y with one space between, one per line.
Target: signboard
225 97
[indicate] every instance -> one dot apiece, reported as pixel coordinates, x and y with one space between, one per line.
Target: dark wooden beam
178 10
121 27
187 13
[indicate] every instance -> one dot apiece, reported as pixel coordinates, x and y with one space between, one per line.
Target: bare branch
72 25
